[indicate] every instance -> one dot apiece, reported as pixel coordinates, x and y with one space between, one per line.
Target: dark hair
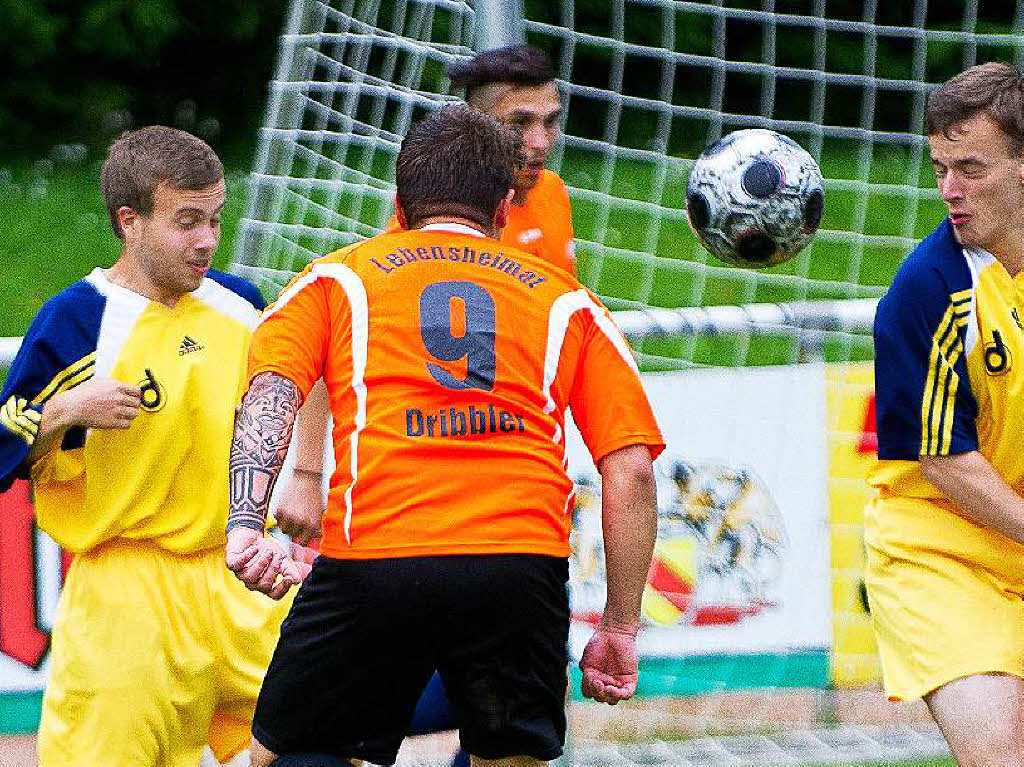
458 161
994 89
515 64
140 160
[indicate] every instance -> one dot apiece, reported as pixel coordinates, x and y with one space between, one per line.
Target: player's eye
187 223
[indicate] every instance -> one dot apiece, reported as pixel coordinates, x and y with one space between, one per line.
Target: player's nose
207 238
950 187
537 138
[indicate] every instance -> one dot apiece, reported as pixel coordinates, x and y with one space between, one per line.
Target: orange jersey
450 360
542 225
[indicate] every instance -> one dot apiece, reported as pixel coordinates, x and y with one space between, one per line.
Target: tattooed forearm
262 433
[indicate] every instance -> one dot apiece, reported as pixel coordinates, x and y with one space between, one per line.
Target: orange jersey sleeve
608 401
542 225
295 331
450 360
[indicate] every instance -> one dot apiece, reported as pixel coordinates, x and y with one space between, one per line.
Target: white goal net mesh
647 85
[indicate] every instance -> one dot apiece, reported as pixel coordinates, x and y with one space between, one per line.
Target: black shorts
363 638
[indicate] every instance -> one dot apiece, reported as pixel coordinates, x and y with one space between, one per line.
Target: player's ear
127 218
502 211
400 214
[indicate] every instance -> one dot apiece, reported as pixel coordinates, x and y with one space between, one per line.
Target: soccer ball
755 198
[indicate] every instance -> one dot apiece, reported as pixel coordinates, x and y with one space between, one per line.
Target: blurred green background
77 73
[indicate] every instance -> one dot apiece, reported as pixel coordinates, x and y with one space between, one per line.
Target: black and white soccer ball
755 198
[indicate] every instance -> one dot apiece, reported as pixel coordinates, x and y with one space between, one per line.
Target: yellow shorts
946 595
153 656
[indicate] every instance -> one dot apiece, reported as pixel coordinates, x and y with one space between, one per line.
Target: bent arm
979 491
313 418
300 505
263 430
98 403
630 522
56 420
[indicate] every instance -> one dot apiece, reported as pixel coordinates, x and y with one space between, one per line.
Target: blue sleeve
924 401
239 286
57 353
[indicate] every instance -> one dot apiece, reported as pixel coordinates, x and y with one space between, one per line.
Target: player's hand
101 403
303 557
301 507
610 665
260 563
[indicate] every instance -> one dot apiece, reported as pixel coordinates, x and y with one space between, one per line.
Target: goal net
776 363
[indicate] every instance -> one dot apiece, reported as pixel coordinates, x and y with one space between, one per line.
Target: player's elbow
630 470
931 468
942 470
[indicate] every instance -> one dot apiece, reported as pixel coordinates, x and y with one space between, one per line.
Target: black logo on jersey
153 396
1016 317
997 355
189 345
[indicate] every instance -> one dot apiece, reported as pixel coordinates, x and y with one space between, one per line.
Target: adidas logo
189 345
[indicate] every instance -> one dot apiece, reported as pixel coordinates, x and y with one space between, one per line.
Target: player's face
982 186
177 240
536 111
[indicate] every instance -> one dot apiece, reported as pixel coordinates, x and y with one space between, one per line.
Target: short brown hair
140 160
513 64
458 161
995 89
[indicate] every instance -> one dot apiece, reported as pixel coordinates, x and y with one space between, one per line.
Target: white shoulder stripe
122 310
227 301
562 310
355 291
289 293
977 261
561 313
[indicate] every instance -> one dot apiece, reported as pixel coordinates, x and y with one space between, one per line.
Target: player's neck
492 232
1010 254
125 274
1012 263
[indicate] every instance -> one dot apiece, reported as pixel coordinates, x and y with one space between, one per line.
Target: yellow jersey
164 479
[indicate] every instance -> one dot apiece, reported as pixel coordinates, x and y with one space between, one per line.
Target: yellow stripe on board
658 609
60 382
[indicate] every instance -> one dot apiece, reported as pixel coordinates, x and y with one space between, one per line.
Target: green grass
55 230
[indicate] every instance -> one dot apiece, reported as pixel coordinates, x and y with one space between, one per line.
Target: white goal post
646 85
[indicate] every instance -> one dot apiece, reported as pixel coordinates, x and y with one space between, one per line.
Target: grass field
56 230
